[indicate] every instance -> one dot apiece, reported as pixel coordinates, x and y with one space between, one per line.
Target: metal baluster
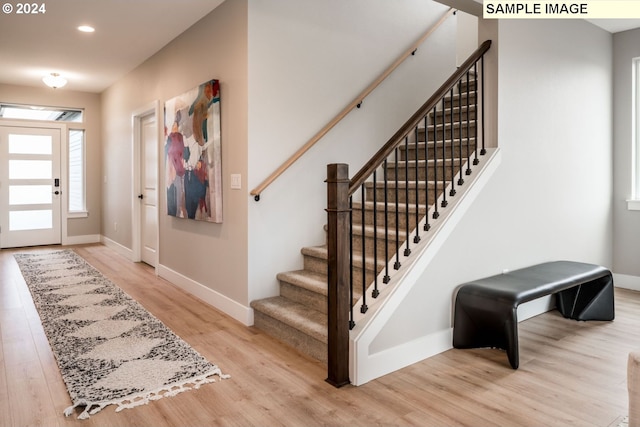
475 151
416 239
407 250
452 192
444 202
363 307
460 179
352 323
436 214
468 171
386 278
484 151
397 264
375 292
427 226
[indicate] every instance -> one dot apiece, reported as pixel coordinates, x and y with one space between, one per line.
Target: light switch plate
236 181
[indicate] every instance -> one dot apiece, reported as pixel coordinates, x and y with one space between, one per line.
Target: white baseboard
626 282
122 250
392 359
215 299
82 240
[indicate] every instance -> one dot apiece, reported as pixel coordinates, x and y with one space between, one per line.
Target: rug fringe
170 390
70 409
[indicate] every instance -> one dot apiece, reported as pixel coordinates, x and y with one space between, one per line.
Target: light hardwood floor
571 373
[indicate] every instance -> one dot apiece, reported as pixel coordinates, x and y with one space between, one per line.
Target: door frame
136 121
63 128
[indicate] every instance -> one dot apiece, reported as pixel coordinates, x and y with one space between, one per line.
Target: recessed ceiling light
86 29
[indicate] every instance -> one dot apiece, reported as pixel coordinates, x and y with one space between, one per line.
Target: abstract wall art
193 165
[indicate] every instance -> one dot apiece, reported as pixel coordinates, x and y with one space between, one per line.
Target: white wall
626 228
466 36
551 197
307 61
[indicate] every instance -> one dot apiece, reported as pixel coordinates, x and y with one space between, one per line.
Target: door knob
56 192
140 196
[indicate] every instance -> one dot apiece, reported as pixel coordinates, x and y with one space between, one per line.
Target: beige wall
213 255
90 102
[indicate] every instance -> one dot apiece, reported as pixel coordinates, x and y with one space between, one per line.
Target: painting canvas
192 154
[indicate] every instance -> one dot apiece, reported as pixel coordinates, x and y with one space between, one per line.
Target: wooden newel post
338 271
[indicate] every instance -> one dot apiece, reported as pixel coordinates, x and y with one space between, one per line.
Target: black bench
486 309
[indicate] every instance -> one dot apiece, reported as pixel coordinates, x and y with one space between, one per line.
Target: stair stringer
365 366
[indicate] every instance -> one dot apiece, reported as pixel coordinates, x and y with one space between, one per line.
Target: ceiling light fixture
86 29
54 80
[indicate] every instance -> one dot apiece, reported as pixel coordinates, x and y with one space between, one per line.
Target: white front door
149 187
30 187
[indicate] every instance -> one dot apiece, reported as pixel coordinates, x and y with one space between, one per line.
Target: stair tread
458 123
402 207
456 107
447 141
405 183
316 251
457 95
322 253
421 162
310 322
368 230
306 279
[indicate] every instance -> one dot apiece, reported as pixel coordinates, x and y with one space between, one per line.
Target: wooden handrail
366 171
355 103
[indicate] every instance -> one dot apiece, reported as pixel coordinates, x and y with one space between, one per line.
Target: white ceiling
127 33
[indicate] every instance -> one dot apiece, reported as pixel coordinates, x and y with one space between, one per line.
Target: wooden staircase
298 316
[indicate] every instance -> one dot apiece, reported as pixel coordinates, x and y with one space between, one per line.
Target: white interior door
149 187
30 187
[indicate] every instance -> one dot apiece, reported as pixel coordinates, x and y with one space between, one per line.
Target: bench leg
481 323
589 301
511 333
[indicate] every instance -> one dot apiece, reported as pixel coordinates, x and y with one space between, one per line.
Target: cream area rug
109 349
